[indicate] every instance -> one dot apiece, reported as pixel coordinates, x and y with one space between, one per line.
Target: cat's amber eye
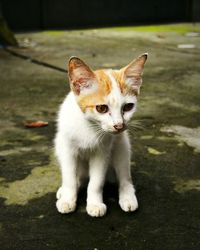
102 108
128 106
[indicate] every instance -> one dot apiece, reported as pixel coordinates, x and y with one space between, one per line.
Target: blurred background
61 14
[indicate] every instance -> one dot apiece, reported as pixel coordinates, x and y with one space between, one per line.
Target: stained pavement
166 142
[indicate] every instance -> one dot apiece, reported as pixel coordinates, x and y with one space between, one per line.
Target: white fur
86 144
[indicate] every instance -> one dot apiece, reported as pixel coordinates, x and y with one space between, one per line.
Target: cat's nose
119 126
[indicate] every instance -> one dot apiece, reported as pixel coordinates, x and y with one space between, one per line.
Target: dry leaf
35 124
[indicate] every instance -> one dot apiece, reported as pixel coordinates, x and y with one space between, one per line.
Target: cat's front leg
121 162
97 170
67 193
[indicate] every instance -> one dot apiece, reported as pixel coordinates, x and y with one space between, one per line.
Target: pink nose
119 126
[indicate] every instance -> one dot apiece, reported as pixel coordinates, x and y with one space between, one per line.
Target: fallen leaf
35 124
153 151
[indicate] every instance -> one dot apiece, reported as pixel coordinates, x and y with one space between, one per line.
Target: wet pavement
166 142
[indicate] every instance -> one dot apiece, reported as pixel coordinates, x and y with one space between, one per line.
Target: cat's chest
87 140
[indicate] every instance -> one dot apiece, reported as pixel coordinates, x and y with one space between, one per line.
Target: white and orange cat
92 134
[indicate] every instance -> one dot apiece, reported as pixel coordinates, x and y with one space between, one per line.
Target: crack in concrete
33 60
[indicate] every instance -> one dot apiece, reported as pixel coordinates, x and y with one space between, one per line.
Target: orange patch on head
98 97
104 81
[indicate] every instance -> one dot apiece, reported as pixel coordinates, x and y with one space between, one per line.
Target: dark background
50 14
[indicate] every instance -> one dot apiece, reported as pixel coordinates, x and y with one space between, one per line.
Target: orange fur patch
104 81
104 89
98 97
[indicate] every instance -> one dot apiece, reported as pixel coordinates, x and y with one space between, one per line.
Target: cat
91 134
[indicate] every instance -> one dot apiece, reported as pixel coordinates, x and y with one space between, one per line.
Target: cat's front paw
96 210
65 206
66 202
128 204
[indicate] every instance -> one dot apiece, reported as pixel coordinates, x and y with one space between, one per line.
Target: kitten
91 134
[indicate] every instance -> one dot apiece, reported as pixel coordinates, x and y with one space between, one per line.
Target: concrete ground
166 144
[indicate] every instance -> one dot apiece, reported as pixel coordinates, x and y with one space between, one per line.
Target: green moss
54 32
41 181
179 28
182 186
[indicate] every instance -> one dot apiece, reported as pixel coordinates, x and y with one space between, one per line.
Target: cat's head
107 97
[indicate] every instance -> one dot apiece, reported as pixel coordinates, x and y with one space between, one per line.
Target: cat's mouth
114 129
119 131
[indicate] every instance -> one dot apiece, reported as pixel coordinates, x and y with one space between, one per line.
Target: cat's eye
128 106
102 108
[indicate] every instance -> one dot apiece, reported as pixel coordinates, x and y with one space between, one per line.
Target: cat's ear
132 73
82 79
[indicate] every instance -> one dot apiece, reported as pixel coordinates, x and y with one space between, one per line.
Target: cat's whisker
95 127
136 122
98 131
136 128
136 125
132 133
101 136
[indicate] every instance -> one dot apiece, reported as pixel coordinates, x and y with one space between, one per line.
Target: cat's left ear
82 79
132 73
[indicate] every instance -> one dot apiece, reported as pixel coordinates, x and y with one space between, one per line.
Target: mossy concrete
165 139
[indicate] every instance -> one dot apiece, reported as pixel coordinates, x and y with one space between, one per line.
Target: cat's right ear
82 79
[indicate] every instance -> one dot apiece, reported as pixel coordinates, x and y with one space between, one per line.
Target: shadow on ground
166 146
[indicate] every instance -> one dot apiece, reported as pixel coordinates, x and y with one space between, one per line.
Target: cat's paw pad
96 210
65 206
128 205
